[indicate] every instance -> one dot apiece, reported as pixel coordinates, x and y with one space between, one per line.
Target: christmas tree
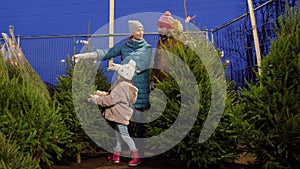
28 116
270 120
194 126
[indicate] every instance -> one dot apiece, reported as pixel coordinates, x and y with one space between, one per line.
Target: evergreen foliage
11 157
64 97
270 120
87 78
28 116
200 58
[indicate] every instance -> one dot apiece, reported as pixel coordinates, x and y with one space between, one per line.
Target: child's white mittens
101 93
114 67
93 98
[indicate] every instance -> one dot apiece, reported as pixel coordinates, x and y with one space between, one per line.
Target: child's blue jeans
121 133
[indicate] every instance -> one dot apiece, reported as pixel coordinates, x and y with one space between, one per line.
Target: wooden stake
111 27
255 36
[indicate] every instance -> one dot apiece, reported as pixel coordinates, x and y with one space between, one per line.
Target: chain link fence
235 39
47 54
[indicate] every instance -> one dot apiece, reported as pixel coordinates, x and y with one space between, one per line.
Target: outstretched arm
99 54
105 54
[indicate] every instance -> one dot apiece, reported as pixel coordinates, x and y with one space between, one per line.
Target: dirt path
98 161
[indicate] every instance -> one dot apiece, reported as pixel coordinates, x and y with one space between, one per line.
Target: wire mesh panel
48 54
235 39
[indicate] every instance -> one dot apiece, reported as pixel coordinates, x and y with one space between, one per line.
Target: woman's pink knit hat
166 20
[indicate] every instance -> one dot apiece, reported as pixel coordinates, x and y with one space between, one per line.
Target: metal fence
47 54
235 39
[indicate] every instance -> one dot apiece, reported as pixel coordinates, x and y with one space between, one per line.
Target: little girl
118 109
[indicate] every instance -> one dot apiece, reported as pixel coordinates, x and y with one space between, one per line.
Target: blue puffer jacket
141 52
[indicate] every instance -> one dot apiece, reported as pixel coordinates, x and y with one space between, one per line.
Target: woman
136 48
170 31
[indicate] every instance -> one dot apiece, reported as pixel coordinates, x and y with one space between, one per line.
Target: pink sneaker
135 161
115 158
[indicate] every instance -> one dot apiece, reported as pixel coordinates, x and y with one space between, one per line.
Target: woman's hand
90 55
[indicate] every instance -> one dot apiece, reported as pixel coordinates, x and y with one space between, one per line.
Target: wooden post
111 27
255 36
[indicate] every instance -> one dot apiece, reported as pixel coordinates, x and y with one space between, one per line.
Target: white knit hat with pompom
127 70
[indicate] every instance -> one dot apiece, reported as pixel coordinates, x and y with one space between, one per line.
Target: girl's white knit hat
127 70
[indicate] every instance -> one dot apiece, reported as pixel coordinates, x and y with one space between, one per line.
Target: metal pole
18 41
255 36
212 37
185 14
184 8
206 35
